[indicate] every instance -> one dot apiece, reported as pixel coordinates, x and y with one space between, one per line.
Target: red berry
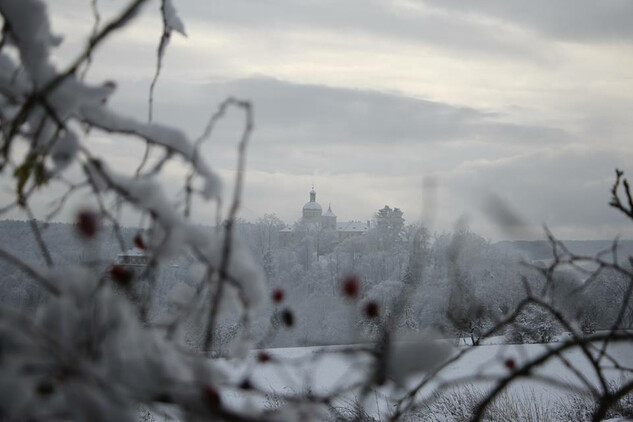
371 310
211 397
246 384
351 286
120 274
87 223
288 317
510 364
139 242
278 295
263 357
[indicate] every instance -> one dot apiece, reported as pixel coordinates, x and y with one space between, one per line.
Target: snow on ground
292 370
299 371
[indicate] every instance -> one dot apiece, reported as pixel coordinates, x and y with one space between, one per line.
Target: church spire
329 212
312 195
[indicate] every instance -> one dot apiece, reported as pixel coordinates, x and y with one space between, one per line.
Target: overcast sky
529 102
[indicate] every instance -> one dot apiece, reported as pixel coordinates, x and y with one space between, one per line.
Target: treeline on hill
488 281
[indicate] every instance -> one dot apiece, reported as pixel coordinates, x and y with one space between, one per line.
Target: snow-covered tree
88 352
389 225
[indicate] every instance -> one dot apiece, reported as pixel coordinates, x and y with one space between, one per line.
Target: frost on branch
172 20
176 233
31 33
90 352
96 358
173 140
96 348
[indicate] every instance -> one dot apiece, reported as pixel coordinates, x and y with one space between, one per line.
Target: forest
117 304
493 276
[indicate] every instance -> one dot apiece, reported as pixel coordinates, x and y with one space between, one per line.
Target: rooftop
351 226
329 212
312 206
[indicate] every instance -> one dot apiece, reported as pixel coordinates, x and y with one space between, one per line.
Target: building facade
314 220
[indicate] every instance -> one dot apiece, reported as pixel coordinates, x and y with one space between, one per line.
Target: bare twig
228 229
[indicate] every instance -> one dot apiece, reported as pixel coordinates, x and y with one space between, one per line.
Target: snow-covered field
291 370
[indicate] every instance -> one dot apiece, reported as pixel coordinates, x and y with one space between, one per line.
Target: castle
314 220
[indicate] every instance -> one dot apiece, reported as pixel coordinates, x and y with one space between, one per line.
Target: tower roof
329 212
312 206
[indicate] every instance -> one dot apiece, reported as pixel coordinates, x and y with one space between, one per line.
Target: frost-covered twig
94 6
527 369
107 347
208 130
59 203
33 49
171 22
227 243
35 228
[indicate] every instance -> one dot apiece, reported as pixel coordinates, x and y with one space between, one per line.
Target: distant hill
542 250
65 248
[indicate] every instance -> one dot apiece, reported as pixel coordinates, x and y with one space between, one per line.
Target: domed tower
328 221
312 211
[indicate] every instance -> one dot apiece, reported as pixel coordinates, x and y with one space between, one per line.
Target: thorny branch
40 95
162 46
94 6
228 229
199 396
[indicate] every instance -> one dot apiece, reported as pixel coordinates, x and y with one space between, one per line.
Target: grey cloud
307 128
370 146
368 17
566 188
340 19
575 20
461 27
296 114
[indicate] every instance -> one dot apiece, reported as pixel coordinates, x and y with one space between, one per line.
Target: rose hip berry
371 310
211 397
120 274
87 223
263 357
278 295
287 317
139 242
350 286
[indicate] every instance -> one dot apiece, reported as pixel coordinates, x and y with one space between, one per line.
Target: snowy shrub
99 342
459 405
588 317
582 407
575 407
533 325
352 410
92 353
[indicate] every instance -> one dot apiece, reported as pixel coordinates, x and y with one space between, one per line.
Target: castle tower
328 221
312 211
